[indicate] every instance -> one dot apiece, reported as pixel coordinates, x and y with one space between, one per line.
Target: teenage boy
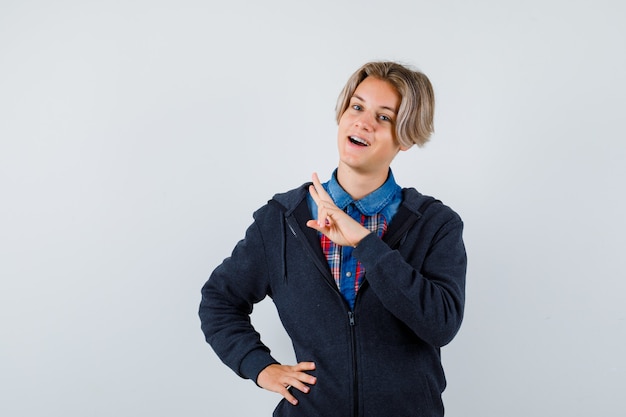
368 278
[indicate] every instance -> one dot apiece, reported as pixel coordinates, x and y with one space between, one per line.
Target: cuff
254 362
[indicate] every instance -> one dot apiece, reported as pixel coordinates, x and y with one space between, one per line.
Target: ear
405 148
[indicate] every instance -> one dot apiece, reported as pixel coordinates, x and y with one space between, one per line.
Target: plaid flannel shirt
373 211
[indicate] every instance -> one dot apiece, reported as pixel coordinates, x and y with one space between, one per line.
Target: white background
137 137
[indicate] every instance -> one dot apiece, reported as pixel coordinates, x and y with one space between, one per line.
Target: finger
288 396
314 194
320 188
307 378
313 224
300 387
323 200
304 366
303 376
322 215
316 180
297 384
323 218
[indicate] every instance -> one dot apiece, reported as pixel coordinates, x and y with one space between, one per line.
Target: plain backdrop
137 137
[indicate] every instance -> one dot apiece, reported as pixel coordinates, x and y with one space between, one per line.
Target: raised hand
332 221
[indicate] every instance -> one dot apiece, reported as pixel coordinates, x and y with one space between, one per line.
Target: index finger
304 366
319 189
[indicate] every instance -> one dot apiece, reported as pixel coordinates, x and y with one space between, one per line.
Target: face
366 135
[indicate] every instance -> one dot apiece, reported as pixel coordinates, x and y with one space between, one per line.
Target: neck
360 184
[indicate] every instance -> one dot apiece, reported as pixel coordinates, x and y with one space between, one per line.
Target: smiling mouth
358 141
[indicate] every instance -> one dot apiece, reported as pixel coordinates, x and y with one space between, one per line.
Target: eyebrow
382 107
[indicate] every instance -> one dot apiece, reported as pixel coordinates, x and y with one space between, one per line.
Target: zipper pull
351 317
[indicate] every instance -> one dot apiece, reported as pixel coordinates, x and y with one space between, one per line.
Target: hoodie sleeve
227 300
423 287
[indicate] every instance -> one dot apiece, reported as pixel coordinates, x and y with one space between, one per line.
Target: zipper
321 265
323 268
355 379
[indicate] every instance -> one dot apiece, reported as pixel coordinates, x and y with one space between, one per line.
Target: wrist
360 238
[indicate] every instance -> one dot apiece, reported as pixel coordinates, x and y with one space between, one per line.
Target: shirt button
348 274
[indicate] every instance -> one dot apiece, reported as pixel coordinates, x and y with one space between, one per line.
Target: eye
384 118
357 107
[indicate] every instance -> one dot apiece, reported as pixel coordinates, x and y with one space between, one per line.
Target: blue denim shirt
384 200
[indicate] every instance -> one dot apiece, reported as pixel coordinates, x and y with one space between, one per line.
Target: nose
365 121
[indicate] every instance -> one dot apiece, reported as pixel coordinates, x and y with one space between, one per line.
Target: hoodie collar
369 205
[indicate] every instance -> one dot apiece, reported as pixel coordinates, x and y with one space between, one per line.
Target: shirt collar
369 205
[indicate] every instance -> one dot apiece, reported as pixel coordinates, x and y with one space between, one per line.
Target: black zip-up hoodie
380 359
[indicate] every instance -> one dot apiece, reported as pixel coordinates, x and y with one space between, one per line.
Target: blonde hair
414 123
